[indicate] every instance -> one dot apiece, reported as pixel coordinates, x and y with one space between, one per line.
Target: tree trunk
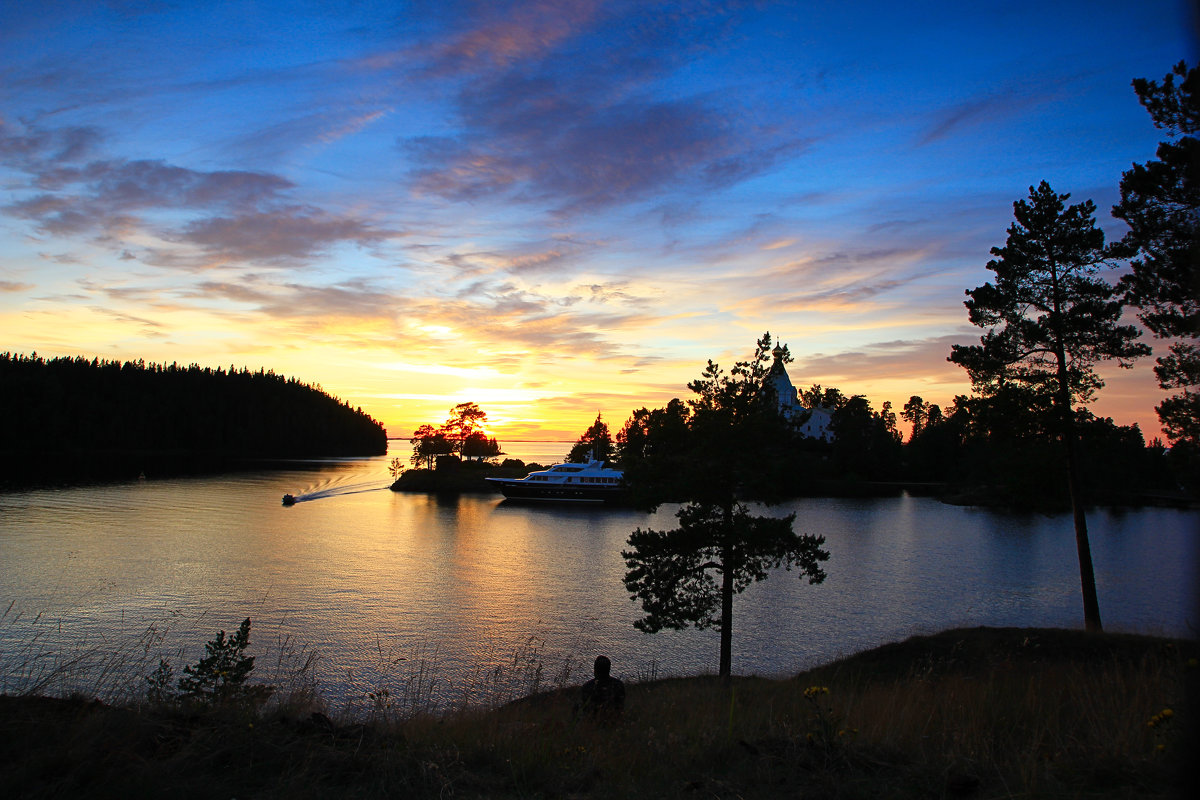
1087 577
727 570
1066 420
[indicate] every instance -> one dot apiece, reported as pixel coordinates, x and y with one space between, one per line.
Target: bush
218 678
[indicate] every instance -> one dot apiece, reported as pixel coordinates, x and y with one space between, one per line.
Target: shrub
219 677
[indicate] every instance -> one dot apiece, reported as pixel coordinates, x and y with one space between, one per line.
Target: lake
474 594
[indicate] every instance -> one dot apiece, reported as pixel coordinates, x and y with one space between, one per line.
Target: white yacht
577 483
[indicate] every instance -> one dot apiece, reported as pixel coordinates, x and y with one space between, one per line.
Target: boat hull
517 489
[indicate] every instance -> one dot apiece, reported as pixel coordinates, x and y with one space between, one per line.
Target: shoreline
469 479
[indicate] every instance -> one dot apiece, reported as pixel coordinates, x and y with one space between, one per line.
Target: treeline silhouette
995 451
990 451
72 419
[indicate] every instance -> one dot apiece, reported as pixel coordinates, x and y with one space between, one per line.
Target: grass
989 713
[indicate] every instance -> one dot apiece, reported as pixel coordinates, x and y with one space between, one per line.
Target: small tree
596 443
1049 322
729 446
222 673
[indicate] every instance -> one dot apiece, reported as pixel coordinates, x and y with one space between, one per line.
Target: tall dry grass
966 713
1015 725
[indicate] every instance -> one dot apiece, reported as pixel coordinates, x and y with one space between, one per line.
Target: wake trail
333 488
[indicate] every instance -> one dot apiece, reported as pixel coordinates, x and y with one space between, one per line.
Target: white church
817 424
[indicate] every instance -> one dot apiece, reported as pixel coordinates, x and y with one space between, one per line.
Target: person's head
602 667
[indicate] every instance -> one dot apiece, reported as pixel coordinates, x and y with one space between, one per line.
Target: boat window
568 469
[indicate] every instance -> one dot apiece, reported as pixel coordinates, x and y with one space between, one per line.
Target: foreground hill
966 713
70 419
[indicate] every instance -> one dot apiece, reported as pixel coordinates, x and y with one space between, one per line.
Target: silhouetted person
603 695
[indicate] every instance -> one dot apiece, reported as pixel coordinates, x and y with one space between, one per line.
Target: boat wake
333 488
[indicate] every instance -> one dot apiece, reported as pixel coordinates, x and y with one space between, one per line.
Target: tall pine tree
730 445
1049 321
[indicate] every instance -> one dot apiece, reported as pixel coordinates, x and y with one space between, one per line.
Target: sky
551 209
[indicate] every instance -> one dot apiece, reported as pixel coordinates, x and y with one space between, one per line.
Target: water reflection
367 576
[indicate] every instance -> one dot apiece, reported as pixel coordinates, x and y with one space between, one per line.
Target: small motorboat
289 500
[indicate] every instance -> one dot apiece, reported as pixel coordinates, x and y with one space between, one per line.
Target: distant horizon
552 211
523 441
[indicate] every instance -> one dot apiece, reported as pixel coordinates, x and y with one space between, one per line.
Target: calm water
368 577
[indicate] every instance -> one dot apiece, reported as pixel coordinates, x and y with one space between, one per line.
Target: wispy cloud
289 233
118 198
35 148
919 361
537 125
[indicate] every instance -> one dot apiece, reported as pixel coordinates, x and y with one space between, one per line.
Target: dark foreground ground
985 713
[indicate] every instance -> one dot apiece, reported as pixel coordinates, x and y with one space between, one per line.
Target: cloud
37 146
541 256
835 281
617 292
538 123
840 297
68 196
358 300
499 325
13 286
101 195
289 233
1000 106
501 34
577 157
156 184
151 329
245 216
917 360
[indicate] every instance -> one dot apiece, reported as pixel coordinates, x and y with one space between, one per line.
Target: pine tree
1050 320
1160 201
730 446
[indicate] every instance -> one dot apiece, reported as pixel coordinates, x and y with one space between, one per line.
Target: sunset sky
551 209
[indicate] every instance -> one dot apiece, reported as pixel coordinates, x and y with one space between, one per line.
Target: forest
74 419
